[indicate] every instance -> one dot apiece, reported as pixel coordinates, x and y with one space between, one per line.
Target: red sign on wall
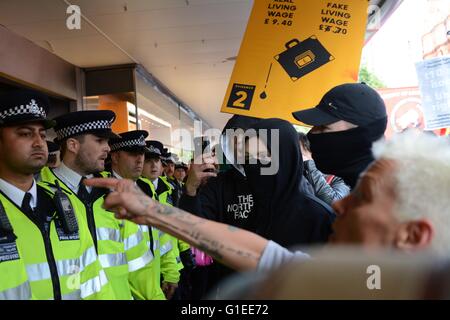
404 109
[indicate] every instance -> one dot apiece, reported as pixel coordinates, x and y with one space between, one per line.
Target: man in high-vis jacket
83 137
159 189
170 193
46 250
127 161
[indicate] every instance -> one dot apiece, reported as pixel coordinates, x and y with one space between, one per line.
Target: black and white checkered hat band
169 158
140 142
152 149
83 127
30 108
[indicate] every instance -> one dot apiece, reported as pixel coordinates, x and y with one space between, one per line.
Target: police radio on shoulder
65 211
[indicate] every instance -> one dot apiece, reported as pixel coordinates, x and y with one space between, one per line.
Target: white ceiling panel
184 43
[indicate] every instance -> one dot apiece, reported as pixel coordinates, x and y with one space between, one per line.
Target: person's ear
73 145
114 158
414 235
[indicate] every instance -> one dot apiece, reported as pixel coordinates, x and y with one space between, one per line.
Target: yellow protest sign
293 52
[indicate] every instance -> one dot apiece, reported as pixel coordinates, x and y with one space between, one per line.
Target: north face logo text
243 208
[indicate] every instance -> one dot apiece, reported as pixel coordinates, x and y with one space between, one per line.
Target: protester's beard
346 153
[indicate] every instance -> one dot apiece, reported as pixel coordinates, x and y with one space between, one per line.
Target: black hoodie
228 198
285 213
292 216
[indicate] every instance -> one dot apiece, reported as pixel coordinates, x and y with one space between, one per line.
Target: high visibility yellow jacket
14 284
165 197
120 244
168 257
58 265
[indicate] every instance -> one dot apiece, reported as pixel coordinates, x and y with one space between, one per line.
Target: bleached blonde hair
423 181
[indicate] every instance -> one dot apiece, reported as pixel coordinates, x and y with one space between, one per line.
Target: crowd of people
117 216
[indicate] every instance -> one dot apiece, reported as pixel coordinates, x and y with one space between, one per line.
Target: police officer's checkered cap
155 147
140 142
83 122
83 127
130 139
19 106
31 108
152 149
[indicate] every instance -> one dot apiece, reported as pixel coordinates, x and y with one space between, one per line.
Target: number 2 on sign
238 103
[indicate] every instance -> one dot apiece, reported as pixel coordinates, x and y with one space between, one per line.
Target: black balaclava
346 153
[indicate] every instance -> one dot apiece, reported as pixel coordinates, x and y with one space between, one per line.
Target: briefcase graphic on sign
303 57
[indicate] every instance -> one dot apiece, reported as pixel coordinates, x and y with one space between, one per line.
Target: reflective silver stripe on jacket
144 228
166 248
75 295
108 234
93 285
71 266
41 271
21 292
140 262
112 259
38 271
133 240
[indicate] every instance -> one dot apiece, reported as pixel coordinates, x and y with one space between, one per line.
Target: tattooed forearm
166 210
233 228
220 252
210 251
212 247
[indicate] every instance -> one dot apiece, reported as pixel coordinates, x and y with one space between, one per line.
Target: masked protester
286 214
348 119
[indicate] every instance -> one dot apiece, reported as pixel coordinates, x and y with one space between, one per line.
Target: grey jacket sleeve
324 191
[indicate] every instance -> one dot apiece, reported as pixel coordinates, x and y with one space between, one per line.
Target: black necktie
26 207
83 194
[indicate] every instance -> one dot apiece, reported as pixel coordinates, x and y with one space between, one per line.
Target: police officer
168 160
159 189
42 230
127 161
83 137
179 177
53 151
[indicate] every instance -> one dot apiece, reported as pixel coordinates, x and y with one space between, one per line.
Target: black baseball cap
356 103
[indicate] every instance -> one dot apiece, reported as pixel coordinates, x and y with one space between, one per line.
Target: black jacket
226 198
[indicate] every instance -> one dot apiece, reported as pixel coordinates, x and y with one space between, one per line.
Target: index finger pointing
109 183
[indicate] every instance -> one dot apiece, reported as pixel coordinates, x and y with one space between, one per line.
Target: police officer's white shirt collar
116 175
70 178
155 183
16 195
